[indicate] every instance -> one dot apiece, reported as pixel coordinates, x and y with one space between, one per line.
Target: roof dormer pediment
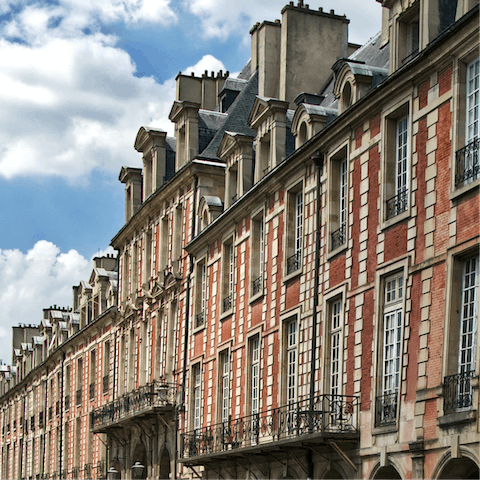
231 141
148 137
179 108
263 107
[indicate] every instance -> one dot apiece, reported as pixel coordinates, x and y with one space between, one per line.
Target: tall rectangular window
201 295
295 237
335 347
401 162
197 397
228 276
386 407
338 199
225 386
255 375
258 254
147 264
292 347
93 373
106 366
472 93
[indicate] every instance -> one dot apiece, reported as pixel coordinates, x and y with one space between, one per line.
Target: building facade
297 273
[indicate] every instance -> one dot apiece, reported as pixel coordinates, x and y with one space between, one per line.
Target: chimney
268 39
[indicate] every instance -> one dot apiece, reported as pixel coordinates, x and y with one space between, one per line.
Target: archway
460 468
165 465
387 473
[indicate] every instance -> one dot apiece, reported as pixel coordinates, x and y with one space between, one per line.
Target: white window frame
225 386
197 396
291 361
472 98
255 374
336 345
401 157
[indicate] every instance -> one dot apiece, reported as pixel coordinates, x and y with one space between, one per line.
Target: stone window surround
257 216
390 116
256 333
395 267
227 287
200 297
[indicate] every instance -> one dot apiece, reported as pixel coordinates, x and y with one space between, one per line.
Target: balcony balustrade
457 392
151 398
75 472
294 262
386 410
102 469
227 303
257 285
397 204
339 238
87 470
200 319
327 415
466 164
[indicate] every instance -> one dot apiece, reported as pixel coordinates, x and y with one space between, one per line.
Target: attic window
302 134
346 97
408 36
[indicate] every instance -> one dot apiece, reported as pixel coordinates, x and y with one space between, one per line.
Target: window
201 294
255 375
225 387
228 276
93 373
79 381
292 360
164 245
197 397
466 159
386 404
177 232
335 347
295 232
258 254
106 366
338 199
147 266
397 164
408 36
462 336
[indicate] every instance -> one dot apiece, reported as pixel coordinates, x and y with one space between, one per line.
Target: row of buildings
295 293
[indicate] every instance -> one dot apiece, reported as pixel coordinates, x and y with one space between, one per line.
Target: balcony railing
386 410
199 319
67 402
294 262
78 396
87 470
154 394
105 384
332 414
397 204
227 303
457 392
466 164
75 472
257 285
102 469
339 237
91 391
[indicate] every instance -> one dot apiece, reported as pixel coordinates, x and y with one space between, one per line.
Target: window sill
393 428
226 314
198 329
460 191
292 275
396 219
255 297
456 418
338 251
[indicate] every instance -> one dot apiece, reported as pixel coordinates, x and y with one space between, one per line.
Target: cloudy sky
77 80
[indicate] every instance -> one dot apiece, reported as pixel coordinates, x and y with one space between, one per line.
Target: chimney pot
227 73
192 74
277 21
212 74
291 4
307 6
320 9
332 12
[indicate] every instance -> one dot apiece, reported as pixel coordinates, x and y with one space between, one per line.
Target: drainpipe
318 159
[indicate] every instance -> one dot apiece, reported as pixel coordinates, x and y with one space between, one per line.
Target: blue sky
77 80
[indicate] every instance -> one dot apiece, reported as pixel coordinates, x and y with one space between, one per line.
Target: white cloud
32 281
220 19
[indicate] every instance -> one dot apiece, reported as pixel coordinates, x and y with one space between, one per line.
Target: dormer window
408 36
346 97
303 133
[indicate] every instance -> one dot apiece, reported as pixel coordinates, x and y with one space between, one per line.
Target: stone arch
389 472
464 467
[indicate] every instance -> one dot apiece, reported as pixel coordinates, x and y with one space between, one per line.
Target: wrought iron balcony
294 262
227 303
199 319
148 399
457 392
78 395
102 469
466 164
397 204
386 410
75 472
339 237
91 391
257 285
327 415
105 384
87 470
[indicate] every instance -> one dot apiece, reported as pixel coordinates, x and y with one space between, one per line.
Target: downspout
318 159
187 319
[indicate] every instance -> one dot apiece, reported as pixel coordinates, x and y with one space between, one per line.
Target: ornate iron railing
227 303
87 470
91 391
457 392
200 319
78 396
75 473
294 262
105 384
64 473
386 409
466 164
257 285
327 413
102 469
154 394
339 237
397 204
